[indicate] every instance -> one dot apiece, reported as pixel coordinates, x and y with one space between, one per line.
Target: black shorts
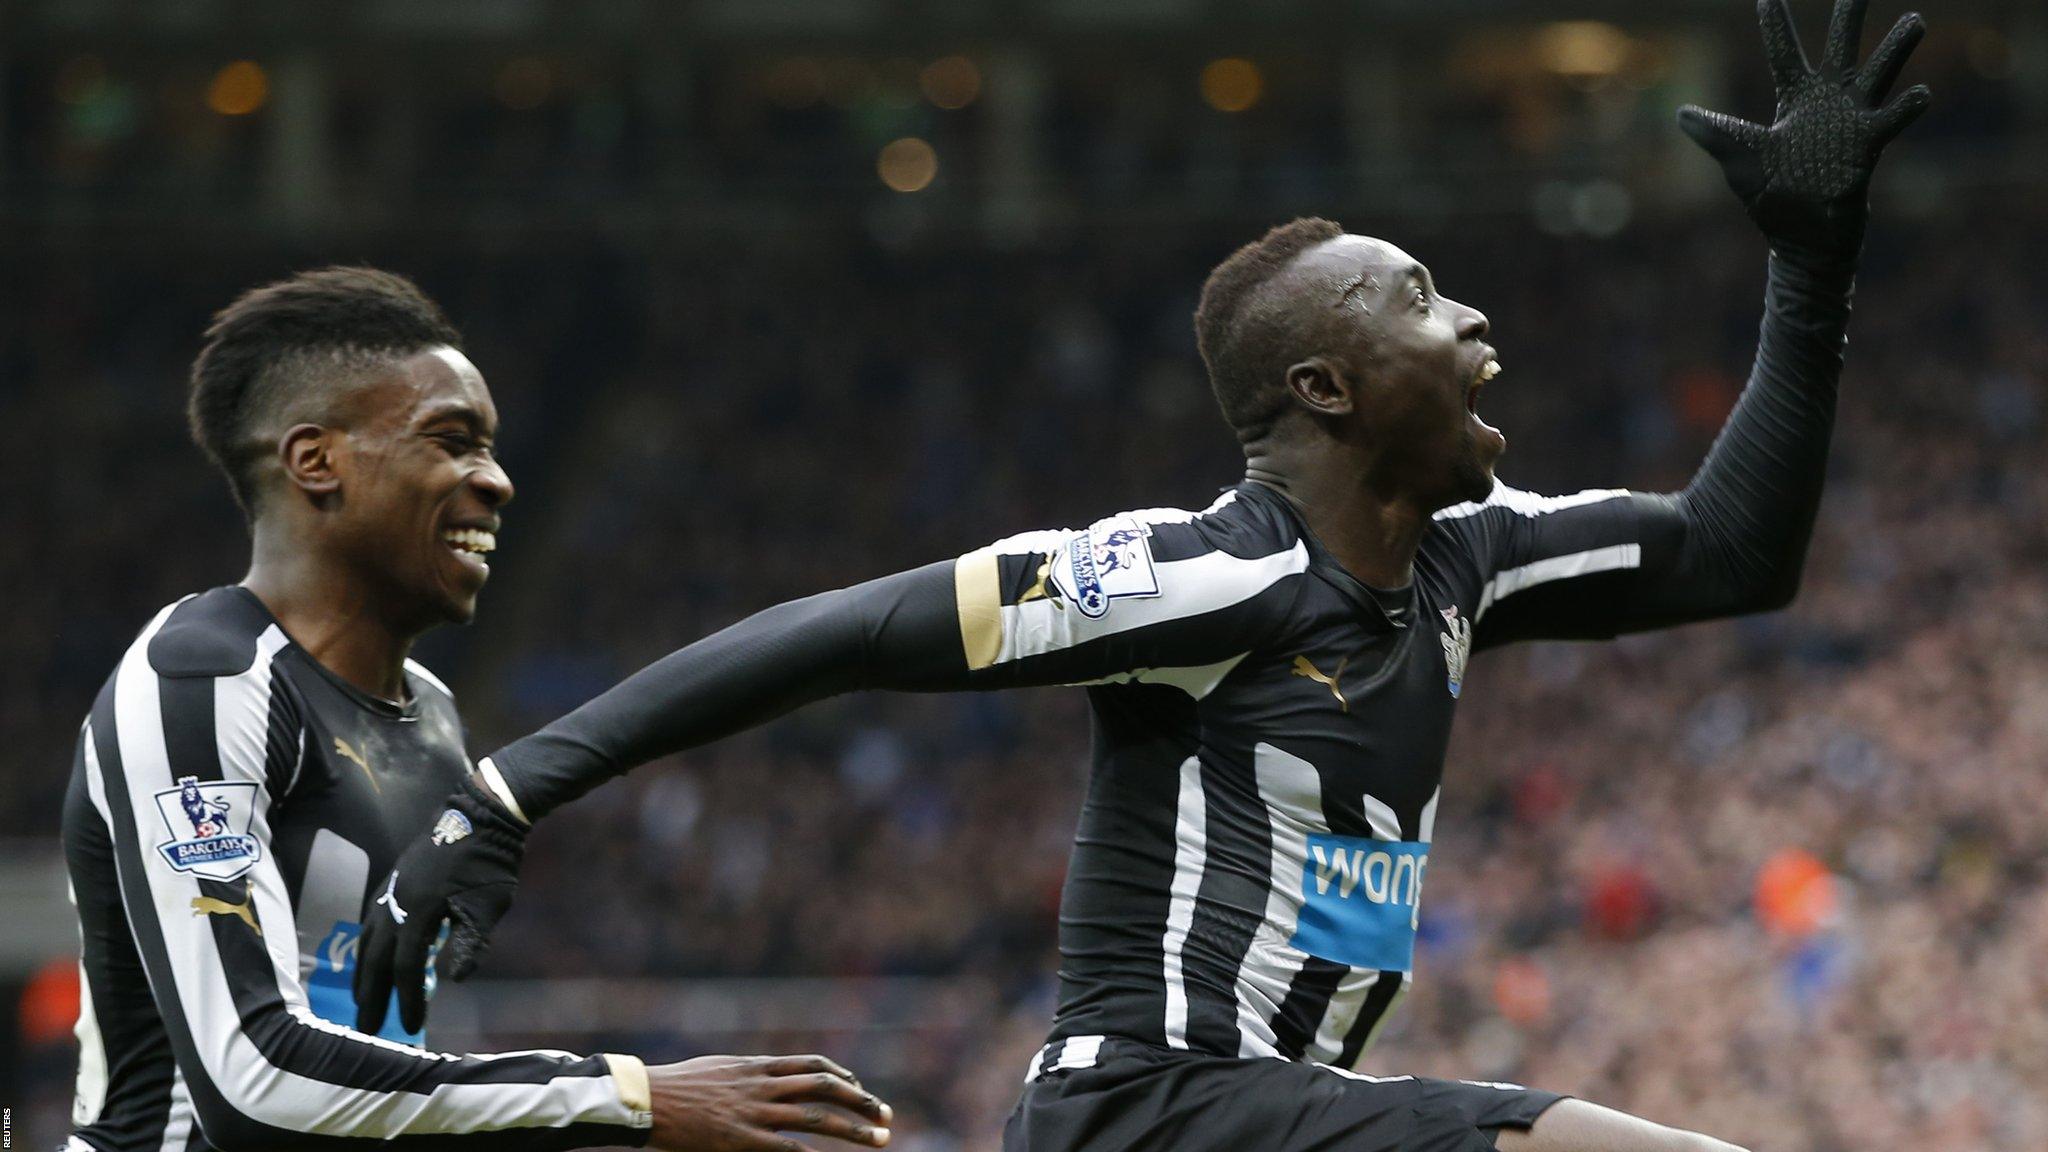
1135 1096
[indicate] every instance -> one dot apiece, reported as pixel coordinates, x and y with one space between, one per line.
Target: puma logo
1304 667
390 899
1037 591
210 906
342 747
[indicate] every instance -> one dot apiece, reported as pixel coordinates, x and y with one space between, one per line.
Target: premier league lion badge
1111 560
209 827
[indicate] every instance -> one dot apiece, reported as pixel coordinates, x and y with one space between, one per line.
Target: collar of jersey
1394 606
389 709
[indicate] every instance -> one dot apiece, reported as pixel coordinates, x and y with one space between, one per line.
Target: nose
1471 326
493 483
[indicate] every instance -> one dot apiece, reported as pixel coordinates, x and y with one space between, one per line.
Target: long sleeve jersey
231 803
1269 733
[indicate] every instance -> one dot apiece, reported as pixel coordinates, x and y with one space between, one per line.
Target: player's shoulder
219 632
424 683
1506 501
1242 523
1234 549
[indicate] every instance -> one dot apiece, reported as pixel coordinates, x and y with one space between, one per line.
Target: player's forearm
1750 509
901 631
513 1103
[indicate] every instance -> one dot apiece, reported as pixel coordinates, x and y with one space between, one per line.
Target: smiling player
263 751
1273 677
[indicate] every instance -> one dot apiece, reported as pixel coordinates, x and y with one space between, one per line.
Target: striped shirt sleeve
1733 541
1150 597
1562 567
184 770
1158 596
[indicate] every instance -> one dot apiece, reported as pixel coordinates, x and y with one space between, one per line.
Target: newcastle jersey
1249 867
231 805
1269 736
1269 733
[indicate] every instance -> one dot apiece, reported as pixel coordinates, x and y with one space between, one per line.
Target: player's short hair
1248 339
290 347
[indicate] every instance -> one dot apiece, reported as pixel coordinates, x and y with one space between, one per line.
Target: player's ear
307 452
1321 387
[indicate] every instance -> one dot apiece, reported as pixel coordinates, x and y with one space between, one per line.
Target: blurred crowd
1778 879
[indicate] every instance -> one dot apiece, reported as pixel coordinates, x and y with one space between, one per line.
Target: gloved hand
462 871
1806 178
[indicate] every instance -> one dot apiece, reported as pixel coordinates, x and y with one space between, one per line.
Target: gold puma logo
209 906
1037 591
1303 667
342 746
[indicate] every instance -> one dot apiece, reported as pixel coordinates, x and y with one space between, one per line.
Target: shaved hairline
310 386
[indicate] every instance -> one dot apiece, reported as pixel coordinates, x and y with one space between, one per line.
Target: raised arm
1735 539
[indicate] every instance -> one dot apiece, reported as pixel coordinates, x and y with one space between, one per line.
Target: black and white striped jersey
231 805
1269 742
1269 733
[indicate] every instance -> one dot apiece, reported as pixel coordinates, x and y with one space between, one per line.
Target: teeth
470 540
1489 370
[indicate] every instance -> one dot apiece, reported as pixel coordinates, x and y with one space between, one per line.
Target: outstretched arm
1734 540
1141 597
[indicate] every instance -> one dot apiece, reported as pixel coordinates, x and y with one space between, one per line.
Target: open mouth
1487 371
471 545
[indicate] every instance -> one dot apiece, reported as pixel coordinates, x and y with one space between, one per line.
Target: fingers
409 969
1724 137
466 942
801 1065
1781 43
1845 35
1885 64
373 972
818 1120
1893 117
827 1088
753 1102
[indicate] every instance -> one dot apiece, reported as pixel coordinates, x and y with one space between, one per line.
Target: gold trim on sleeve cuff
629 1076
978 591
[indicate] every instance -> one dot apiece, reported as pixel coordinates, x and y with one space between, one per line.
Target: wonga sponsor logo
1361 901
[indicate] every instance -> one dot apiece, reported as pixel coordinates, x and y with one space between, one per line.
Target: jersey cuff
978 593
629 1076
500 791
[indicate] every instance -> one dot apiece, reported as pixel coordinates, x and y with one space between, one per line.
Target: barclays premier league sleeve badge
209 827
1110 561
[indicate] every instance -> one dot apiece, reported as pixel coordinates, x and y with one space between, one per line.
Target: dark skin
1379 432
353 556
349 550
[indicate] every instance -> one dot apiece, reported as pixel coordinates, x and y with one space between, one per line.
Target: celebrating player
263 751
1273 677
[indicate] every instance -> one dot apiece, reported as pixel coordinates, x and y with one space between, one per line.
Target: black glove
462 871
1806 178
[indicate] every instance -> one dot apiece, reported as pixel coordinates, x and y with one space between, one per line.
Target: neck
1371 529
329 612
